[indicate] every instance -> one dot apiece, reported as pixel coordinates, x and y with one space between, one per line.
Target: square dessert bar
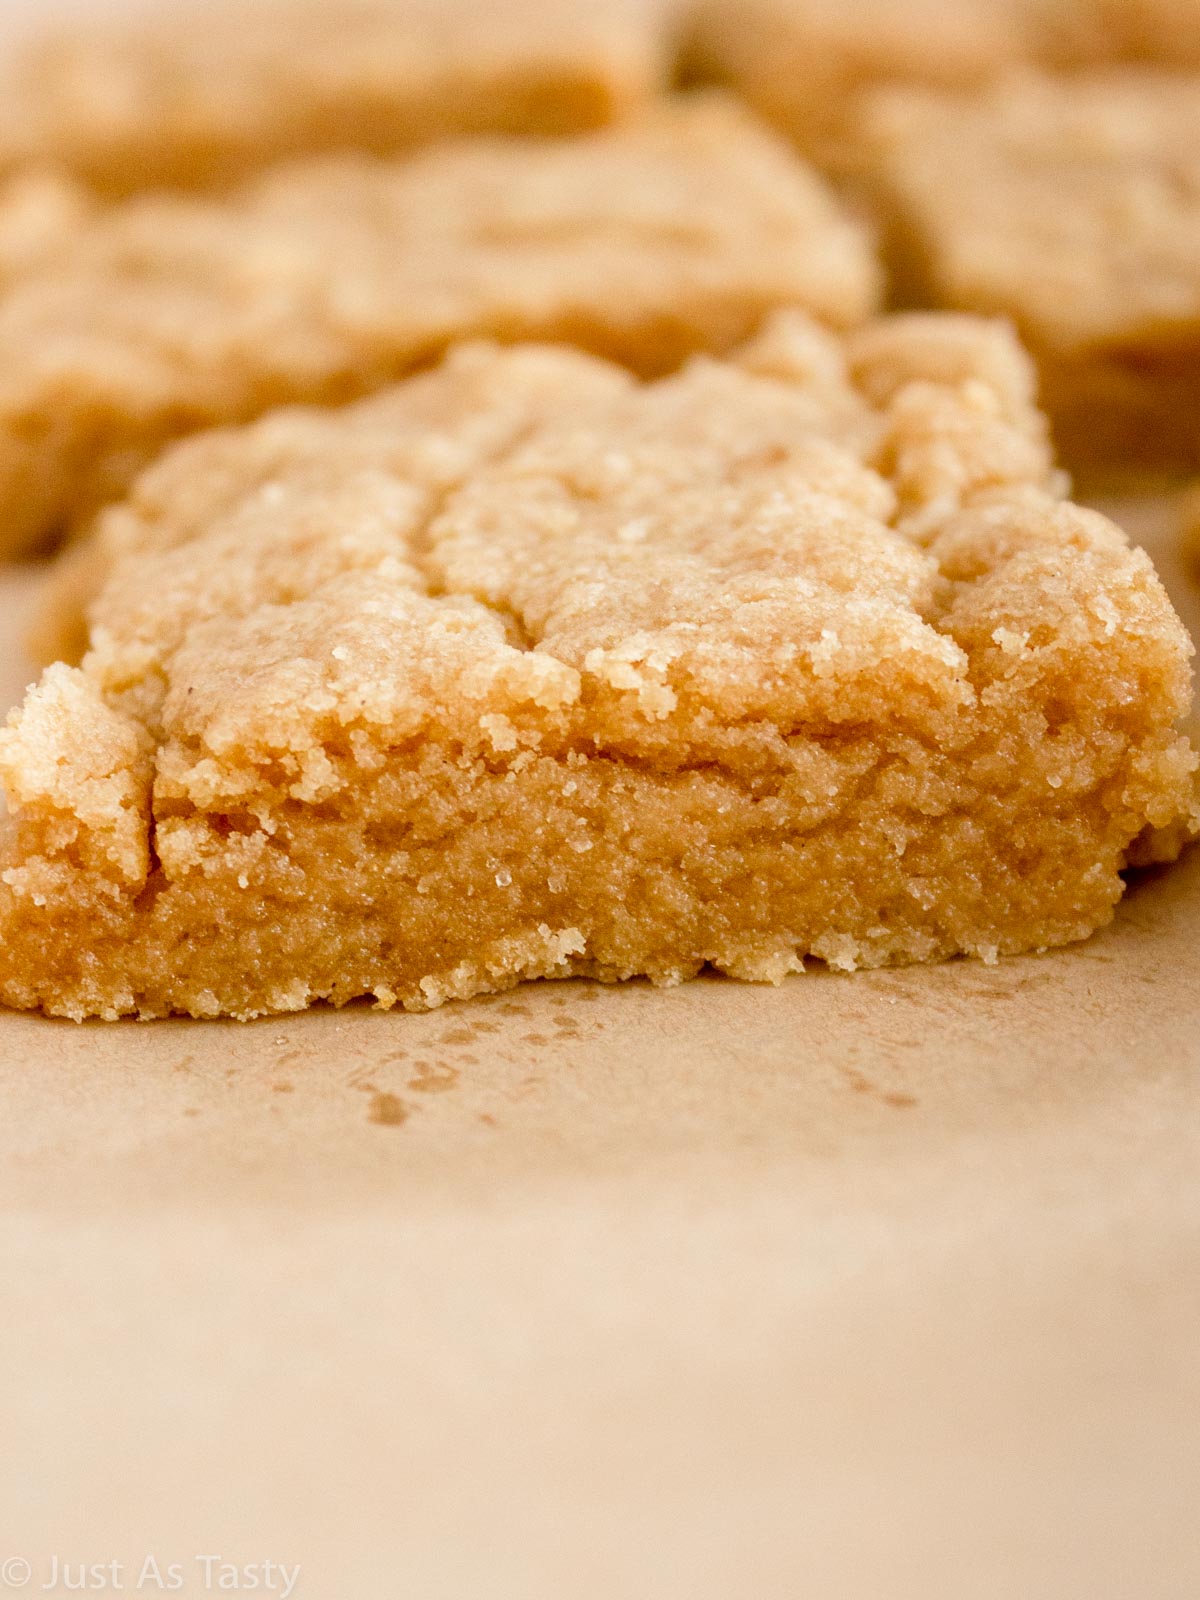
122 329
1072 206
806 64
527 669
193 94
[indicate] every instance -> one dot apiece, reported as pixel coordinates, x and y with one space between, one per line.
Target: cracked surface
806 64
200 93
1105 285
328 280
527 669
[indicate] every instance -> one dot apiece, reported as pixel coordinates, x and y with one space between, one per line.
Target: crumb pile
527 669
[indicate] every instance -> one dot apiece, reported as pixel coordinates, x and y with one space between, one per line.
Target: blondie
329 279
527 669
1072 206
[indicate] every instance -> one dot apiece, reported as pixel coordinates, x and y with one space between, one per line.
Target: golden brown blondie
327 280
195 93
1073 206
527 669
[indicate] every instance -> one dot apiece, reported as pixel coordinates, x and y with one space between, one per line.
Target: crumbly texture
328 280
192 94
1073 206
806 64
526 669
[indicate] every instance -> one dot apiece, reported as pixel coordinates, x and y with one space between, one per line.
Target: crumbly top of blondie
1072 203
527 549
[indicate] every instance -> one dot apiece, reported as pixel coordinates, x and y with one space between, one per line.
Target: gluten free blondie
527 669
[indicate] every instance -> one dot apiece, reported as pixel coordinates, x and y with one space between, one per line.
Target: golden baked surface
526 669
325 280
191 94
1073 206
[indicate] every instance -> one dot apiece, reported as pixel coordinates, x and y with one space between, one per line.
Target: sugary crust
1073 206
194 94
326 280
526 669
